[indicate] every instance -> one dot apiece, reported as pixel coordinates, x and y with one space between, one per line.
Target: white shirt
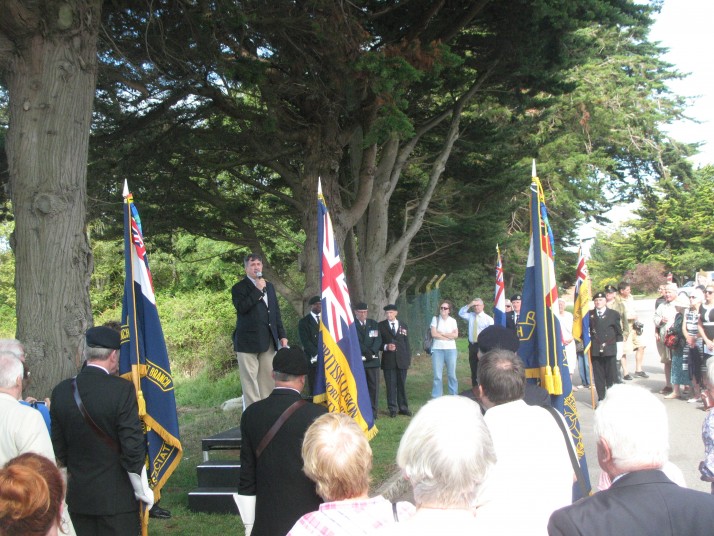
533 476
22 429
481 319
444 326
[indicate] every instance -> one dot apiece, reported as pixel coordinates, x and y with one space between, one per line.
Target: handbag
428 339
670 339
673 338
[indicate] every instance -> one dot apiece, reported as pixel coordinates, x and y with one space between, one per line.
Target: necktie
394 329
475 330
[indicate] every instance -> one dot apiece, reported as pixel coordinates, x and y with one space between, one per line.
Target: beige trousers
256 375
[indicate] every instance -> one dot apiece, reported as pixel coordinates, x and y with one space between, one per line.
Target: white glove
620 349
246 507
142 491
364 358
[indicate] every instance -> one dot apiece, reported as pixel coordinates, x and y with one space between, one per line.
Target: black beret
290 361
313 300
361 306
390 307
496 336
599 295
610 288
103 337
515 297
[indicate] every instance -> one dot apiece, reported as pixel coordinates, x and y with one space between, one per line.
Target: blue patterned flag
143 356
340 381
538 328
499 299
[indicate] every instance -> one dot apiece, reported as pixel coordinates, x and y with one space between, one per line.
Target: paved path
685 420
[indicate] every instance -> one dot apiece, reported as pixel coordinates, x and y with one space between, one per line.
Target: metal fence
417 309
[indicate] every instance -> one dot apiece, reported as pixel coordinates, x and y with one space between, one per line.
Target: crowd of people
75 462
493 460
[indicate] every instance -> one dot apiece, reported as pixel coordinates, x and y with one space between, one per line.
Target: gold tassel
141 402
548 381
557 381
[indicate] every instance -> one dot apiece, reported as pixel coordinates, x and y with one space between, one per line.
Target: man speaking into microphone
259 330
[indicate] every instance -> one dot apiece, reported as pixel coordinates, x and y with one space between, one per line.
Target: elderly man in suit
273 490
632 433
97 435
309 331
396 358
605 343
259 330
369 343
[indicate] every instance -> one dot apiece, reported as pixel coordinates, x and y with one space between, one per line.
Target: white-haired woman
693 347
337 456
445 454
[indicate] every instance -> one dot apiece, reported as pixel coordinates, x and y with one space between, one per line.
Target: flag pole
135 374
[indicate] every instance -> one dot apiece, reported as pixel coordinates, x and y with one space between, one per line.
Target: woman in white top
444 332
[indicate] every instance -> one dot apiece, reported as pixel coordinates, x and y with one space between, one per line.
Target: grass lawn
200 416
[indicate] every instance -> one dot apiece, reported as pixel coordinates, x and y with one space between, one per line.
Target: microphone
259 275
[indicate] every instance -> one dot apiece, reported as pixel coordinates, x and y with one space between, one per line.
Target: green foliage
207 390
674 229
7 282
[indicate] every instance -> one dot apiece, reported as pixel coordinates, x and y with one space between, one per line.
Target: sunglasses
444 308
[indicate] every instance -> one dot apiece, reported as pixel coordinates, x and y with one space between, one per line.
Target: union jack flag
581 305
340 381
499 300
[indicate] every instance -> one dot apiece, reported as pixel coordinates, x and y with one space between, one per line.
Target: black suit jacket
283 493
370 342
510 320
605 332
98 483
308 330
256 323
401 358
641 503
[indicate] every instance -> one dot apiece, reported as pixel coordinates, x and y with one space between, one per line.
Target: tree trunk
51 78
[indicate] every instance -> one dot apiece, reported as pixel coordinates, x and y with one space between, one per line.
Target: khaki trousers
256 375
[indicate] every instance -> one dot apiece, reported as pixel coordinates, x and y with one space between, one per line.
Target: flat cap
103 337
290 361
516 297
610 289
496 336
313 300
391 307
599 295
361 306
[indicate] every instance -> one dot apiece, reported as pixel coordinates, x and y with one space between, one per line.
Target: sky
684 27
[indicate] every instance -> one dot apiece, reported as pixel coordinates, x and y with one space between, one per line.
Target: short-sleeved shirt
443 326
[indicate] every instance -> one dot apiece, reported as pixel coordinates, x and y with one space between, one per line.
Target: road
685 420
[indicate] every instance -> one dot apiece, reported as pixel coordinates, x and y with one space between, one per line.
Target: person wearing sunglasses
444 331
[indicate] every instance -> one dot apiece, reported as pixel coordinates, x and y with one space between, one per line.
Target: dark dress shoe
392 414
159 513
405 412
